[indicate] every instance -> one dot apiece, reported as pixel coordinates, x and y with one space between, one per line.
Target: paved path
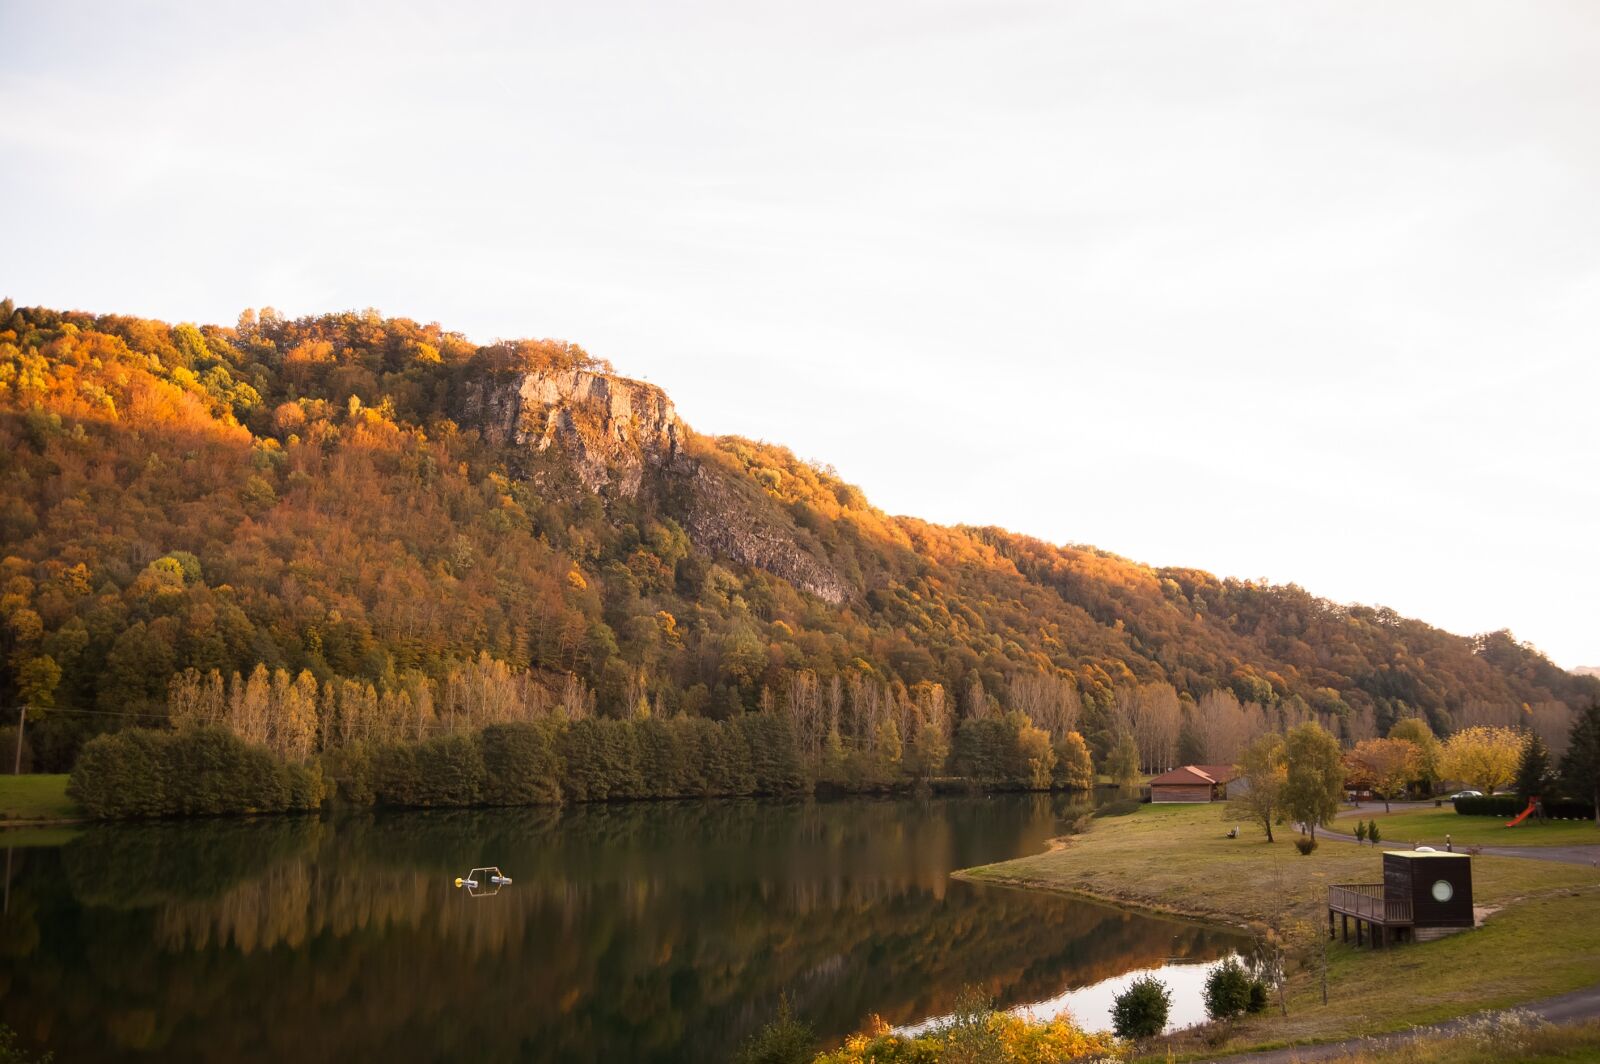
1564 1008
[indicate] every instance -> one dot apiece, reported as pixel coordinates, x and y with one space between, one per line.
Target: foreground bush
981 1037
1141 1010
144 773
785 1040
1227 990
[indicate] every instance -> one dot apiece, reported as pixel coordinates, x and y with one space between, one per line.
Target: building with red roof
1193 783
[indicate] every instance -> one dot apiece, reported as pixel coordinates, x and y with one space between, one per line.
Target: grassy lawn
1542 939
1549 1045
35 797
1429 827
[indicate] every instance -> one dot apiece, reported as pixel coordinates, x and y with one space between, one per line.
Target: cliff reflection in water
639 932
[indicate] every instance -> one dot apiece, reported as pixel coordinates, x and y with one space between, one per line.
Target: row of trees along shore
489 733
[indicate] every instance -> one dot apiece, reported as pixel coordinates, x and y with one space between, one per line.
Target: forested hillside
375 525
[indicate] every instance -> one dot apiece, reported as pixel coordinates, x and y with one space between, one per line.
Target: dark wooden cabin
1439 886
1424 895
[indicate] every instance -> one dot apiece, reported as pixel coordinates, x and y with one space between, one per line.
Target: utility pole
22 720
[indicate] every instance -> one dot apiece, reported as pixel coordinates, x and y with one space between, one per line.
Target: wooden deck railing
1366 900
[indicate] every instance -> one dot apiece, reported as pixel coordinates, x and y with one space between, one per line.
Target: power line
51 711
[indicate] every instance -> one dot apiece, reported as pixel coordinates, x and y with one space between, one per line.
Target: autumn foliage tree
1387 765
1482 757
1415 730
1074 768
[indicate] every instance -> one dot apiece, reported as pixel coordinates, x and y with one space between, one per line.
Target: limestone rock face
613 429
721 521
623 438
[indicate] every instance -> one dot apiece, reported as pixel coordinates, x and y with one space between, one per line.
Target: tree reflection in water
657 932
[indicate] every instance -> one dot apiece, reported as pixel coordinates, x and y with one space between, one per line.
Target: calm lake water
641 932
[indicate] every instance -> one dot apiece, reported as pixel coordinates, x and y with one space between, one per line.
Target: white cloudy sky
1305 291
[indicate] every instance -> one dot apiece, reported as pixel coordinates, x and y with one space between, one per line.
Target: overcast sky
1306 291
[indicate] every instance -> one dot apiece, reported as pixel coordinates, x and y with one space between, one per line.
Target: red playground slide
1532 805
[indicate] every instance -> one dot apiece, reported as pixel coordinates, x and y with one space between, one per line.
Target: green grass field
1428 828
1540 937
40 797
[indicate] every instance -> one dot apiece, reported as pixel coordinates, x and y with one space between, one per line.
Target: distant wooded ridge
416 532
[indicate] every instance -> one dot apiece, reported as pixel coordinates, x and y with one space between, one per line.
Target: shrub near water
1141 1010
1227 990
785 1040
142 773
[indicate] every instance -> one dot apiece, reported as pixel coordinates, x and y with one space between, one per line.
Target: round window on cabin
1443 891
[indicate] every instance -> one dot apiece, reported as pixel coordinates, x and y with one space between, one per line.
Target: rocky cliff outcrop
751 531
613 429
623 437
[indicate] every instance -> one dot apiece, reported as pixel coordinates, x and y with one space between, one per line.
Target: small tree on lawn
1141 1010
1361 831
1280 931
1262 772
1372 833
1315 776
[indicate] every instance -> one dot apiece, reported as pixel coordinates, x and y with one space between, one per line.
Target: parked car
1466 794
